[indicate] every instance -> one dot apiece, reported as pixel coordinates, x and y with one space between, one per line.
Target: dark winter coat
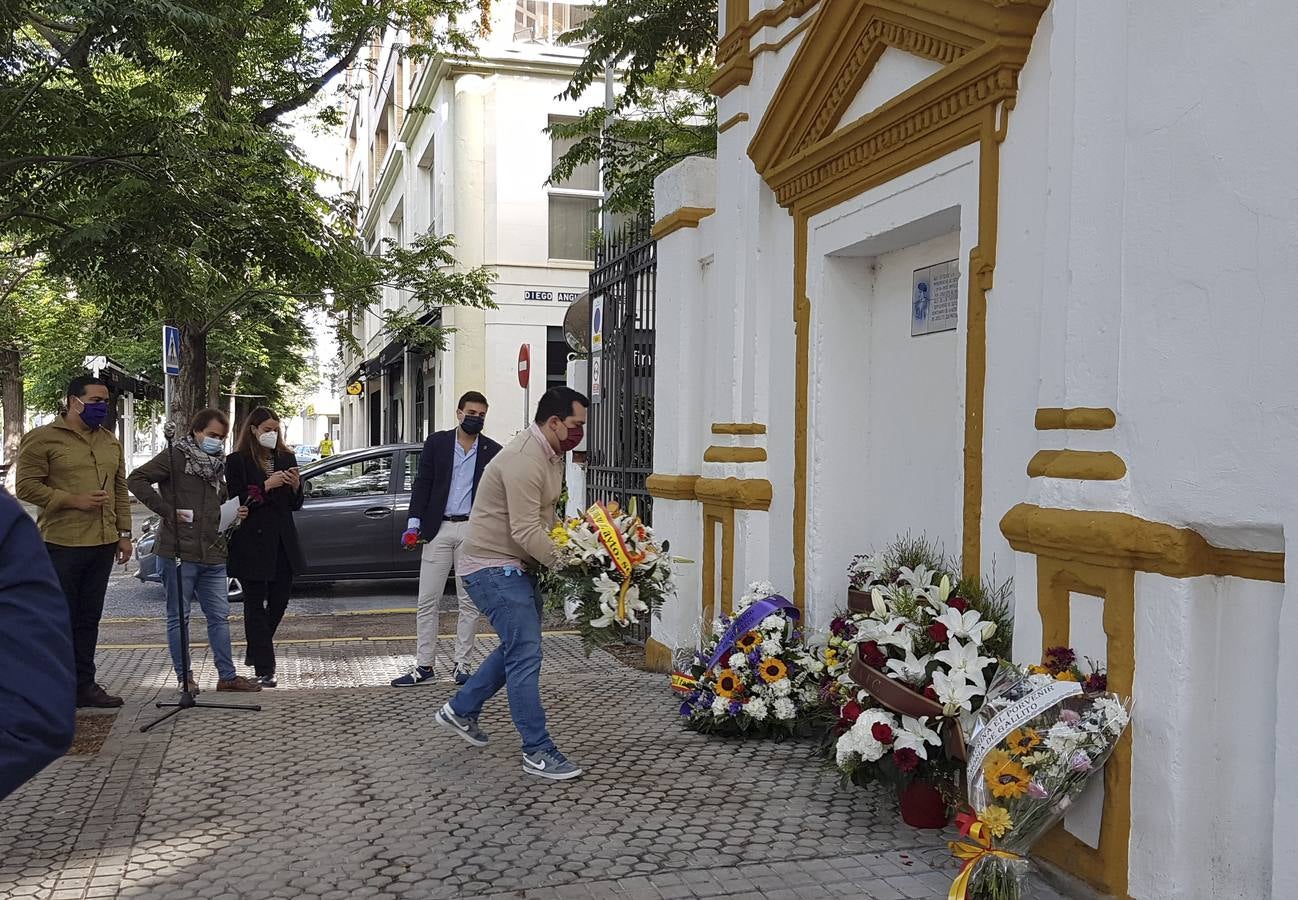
199 540
255 545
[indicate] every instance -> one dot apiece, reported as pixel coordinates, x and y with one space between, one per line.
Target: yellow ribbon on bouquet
972 854
598 515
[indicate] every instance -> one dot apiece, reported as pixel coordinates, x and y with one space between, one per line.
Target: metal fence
620 431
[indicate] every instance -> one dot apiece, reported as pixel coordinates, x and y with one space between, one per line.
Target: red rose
930 693
905 759
873 655
959 603
882 733
850 712
937 631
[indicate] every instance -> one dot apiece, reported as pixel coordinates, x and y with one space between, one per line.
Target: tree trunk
15 410
189 389
214 384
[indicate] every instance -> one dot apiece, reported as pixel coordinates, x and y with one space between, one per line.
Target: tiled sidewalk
351 791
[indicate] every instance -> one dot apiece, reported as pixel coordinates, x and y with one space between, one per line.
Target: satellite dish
576 324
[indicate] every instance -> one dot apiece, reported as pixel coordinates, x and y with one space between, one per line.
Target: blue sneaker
466 728
417 675
549 764
463 674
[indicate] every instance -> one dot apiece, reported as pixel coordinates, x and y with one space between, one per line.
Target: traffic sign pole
525 380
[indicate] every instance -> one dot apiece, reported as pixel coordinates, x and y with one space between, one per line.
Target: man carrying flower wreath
509 537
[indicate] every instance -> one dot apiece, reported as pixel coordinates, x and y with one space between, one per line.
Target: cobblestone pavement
349 790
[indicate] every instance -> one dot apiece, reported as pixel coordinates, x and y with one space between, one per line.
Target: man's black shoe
98 698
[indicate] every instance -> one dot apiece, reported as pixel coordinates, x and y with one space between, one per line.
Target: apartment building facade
461 148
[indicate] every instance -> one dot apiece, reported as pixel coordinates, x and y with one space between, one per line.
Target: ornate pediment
804 143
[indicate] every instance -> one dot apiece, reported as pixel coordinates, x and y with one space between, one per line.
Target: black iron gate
621 435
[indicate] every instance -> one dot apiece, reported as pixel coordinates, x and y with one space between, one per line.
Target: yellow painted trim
734 59
685 217
735 493
715 517
1123 541
732 122
731 493
1081 465
734 454
777 46
657 655
1081 418
738 428
1106 867
671 487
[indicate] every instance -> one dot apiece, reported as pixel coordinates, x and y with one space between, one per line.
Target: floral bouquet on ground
907 667
1039 738
612 573
755 675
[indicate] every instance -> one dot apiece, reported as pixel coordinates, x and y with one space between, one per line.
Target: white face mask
268 439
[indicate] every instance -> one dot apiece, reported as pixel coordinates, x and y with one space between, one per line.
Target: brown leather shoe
98 698
238 683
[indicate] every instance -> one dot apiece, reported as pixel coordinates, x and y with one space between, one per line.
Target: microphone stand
187 699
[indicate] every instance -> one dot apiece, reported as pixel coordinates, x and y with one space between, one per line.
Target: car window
358 478
412 469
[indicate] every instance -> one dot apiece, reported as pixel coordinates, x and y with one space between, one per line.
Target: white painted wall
1148 223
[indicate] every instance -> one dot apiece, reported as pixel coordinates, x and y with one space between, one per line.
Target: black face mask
472 424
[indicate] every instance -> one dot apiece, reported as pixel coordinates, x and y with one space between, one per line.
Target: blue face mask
93 413
212 445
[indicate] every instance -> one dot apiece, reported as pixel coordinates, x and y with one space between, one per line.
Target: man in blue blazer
450 467
38 684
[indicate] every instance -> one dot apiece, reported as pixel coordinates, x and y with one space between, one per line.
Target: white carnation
772 647
773 624
738 661
782 688
719 705
756 708
784 708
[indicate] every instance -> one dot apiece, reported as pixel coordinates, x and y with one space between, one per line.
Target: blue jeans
212 587
512 601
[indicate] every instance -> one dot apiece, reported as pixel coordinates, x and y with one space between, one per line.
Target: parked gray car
351 519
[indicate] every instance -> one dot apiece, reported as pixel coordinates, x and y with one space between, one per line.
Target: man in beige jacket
509 539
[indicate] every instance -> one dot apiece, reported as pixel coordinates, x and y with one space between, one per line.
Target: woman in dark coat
264 550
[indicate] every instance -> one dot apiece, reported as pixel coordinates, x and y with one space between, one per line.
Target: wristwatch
124 534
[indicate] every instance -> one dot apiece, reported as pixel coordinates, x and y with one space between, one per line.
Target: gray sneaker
549 764
466 728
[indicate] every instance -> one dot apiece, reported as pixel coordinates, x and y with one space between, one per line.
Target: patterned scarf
200 463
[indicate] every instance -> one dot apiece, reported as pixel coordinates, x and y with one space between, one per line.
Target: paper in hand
229 512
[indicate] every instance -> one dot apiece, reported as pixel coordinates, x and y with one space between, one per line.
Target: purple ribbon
748 620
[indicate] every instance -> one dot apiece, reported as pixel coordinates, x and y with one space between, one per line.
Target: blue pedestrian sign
170 350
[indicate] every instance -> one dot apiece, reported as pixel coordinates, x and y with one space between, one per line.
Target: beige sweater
514 508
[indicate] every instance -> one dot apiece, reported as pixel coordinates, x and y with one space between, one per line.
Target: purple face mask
93 413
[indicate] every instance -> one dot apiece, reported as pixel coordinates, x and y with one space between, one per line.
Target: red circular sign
524 364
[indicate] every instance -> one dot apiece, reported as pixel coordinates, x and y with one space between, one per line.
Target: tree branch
272 113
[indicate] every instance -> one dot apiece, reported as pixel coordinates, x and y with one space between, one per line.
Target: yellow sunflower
773 670
1025 740
729 685
997 820
1008 779
749 642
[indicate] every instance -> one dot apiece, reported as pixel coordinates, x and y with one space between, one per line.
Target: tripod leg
162 718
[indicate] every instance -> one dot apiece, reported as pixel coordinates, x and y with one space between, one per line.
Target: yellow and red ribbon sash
972 853
612 540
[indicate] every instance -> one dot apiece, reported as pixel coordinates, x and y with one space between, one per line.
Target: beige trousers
440 554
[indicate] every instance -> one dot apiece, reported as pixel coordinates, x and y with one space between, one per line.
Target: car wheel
236 591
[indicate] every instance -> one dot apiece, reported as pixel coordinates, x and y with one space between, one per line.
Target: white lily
919 577
953 692
912 669
608 591
916 735
880 605
965 660
883 632
968 625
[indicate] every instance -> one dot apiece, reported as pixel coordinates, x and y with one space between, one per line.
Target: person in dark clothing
264 550
450 467
38 681
74 470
